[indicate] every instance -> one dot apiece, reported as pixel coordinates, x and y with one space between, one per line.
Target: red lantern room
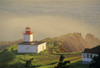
28 31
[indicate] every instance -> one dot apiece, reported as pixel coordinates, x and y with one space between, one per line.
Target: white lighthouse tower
28 35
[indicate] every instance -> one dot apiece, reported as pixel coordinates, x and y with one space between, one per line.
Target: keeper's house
89 54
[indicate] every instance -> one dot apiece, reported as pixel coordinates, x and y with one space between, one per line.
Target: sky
48 18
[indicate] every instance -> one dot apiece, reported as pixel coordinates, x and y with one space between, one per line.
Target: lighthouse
28 35
29 45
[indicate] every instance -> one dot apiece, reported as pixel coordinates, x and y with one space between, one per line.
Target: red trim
28 33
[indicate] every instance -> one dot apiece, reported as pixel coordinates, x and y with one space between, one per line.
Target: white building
89 54
30 46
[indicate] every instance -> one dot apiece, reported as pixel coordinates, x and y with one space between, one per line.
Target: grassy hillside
66 45
11 59
5 44
78 64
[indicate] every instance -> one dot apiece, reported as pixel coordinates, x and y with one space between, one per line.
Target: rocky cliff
91 40
74 42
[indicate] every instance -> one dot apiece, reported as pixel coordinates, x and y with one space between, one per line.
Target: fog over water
48 18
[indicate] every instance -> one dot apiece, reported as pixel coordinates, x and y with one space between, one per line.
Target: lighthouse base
31 48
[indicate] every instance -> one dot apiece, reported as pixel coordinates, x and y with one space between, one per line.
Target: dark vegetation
62 63
96 62
28 63
53 45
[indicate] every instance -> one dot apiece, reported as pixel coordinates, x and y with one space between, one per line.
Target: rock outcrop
91 40
74 42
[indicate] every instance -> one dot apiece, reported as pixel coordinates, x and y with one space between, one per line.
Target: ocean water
48 18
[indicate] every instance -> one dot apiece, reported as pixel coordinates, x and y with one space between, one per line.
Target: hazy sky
48 18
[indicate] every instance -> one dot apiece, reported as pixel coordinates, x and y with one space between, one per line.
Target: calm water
48 18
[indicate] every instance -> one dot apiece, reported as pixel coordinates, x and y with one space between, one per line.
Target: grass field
11 59
78 64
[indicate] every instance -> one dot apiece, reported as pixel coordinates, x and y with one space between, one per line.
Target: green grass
11 59
78 64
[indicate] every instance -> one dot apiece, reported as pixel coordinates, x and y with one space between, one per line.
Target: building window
84 55
87 55
91 56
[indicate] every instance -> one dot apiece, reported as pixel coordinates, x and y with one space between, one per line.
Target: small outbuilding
30 46
88 54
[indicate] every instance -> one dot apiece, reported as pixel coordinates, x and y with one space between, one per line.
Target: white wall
89 59
28 38
41 47
31 48
27 48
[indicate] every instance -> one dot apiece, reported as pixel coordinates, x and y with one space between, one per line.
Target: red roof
28 28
